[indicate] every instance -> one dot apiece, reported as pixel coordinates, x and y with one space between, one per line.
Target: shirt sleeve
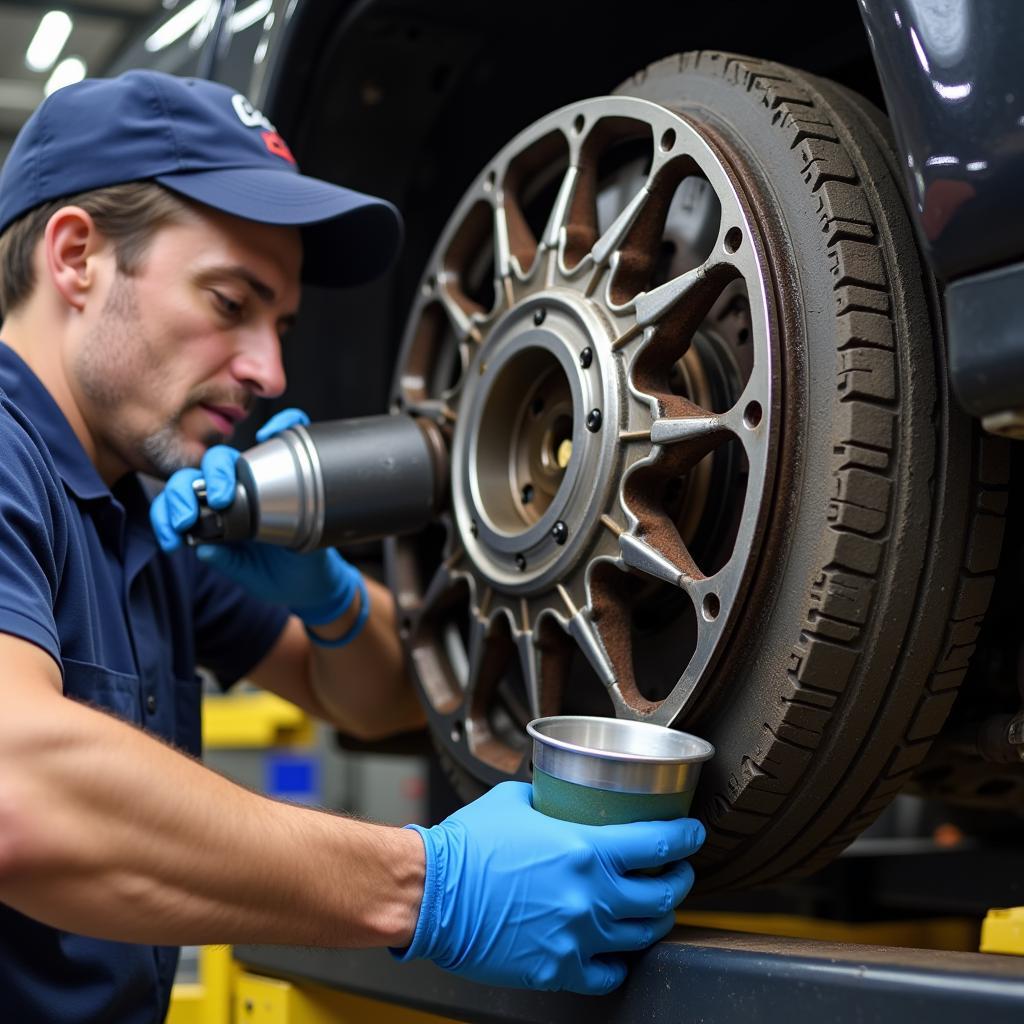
234 631
33 538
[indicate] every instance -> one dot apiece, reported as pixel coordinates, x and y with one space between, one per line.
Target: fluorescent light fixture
241 20
49 40
177 25
67 72
205 27
261 50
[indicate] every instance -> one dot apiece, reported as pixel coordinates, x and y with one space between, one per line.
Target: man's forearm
364 686
106 831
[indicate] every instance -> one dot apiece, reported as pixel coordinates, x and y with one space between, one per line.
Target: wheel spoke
560 211
530 665
461 321
619 229
582 631
690 428
435 409
694 285
677 429
649 560
476 656
502 250
441 584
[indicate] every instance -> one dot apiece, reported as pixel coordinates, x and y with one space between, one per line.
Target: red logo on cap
277 146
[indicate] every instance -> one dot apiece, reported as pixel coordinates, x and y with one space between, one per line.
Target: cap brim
348 238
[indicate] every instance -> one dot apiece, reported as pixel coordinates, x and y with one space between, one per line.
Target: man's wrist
338 627
353 631
409 863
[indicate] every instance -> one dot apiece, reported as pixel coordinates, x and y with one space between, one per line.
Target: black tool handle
218 526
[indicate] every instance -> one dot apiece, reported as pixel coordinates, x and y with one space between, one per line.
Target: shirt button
151 704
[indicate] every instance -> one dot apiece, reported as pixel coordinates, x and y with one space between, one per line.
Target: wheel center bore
526 426
529 454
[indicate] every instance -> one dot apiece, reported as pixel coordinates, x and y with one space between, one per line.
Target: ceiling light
177 25
241 20
49 40
67 72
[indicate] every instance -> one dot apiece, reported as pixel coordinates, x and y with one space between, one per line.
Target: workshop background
865 896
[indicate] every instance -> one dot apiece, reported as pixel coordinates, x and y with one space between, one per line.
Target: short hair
127 214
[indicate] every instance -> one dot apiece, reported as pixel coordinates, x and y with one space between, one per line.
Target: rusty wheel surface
704 467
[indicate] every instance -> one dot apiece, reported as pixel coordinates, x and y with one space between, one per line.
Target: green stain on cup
587 806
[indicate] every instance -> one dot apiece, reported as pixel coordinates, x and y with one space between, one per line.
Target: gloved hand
513 897
318 586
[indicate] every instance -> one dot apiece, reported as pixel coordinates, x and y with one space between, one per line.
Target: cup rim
705 752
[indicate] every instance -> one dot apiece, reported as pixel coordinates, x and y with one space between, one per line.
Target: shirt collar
29 393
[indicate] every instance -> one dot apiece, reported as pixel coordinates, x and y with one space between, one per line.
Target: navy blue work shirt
82 577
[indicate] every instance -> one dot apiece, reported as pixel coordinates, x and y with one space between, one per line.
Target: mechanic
154 232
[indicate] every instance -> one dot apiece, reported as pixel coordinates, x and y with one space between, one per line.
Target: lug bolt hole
586 357
752 415
560 532
474 529
594 420
458 731
733 239
539 316
521 563
711 607
526 494
577 125
491 179
668 140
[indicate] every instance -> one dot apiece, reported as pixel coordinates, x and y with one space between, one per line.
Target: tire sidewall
755 679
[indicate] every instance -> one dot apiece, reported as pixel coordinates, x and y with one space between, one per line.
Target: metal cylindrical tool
331 483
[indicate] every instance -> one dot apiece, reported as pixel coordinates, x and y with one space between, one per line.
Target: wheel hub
533 446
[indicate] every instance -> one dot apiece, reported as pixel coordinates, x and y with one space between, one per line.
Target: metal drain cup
608 771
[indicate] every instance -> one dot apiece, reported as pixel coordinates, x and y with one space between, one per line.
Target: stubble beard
110 367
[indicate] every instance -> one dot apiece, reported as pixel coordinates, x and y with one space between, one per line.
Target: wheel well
409 100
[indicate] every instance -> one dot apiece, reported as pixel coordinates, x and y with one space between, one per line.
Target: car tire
885 530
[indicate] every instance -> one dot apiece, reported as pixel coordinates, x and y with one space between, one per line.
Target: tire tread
842 600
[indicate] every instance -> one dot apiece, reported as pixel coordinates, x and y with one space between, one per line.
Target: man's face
172 356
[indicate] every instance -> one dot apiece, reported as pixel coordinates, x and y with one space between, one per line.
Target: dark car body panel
953 80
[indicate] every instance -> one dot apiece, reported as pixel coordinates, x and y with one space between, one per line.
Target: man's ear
70 244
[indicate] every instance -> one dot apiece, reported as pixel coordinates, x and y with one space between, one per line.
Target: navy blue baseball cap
206 142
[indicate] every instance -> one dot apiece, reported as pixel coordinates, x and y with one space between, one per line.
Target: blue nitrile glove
318 586
513 897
